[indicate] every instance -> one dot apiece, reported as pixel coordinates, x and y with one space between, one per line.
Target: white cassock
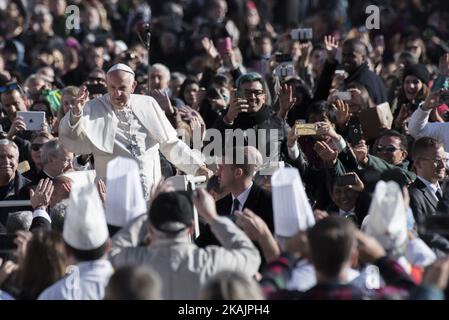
87 281
138 131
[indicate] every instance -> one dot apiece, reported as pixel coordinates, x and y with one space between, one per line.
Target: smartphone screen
224 45
346 180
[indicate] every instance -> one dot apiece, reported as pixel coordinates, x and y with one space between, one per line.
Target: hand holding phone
34 120
305 129
224 45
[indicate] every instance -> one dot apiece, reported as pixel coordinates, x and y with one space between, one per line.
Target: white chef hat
124 199
386 219
85 225
291 208
122 67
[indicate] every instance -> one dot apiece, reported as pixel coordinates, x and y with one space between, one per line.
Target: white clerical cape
95 133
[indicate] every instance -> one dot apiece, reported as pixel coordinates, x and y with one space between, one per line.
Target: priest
121 123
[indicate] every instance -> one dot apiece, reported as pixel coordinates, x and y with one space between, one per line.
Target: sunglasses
389 149
96 79
36 146
9 87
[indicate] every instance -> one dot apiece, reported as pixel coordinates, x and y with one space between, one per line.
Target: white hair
162 68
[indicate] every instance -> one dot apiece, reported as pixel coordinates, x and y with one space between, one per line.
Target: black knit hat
171 207
418 70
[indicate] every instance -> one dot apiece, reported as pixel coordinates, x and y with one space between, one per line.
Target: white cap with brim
85 225
121 67
386 219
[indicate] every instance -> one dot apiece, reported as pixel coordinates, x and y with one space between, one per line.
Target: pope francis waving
121 123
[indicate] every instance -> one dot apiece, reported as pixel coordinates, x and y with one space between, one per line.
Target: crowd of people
359 115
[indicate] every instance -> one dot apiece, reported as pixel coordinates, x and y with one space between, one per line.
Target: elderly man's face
254 93
158 80
60 164
9 160
120 86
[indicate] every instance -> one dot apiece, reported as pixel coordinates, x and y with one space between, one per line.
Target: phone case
305 129
33 119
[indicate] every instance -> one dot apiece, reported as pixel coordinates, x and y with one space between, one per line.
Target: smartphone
354 134
96 88
213 93
346 180
283 57
7 242
33 119
436 224
305 129
343 95
302 34
224 45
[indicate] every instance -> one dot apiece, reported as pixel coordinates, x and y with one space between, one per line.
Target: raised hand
331 45
205 205
342 112
433 100
80 101
361 152
370 250
253 225
236 106
325 128
17 125
286 100
160 187
358 185
163 100
292 137
326 153
40 198
209 46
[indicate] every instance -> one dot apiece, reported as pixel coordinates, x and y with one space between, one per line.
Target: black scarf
246 120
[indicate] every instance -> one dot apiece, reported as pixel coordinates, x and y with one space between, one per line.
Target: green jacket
381 165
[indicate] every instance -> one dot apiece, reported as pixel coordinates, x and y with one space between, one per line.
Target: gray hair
231 285
57 216
162 68
9 143
134 283
178 76
20 220
51 148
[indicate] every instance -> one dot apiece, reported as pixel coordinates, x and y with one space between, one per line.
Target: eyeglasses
436 162
390 148
9 87
257 93
36 146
